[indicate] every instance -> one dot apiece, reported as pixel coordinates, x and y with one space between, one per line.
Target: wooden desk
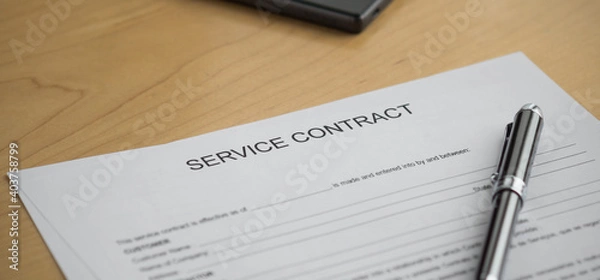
103 76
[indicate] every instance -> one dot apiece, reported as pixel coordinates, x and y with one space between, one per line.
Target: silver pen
510 184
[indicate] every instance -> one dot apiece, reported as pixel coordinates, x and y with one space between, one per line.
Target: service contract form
391 184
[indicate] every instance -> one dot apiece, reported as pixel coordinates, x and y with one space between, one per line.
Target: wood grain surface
82 78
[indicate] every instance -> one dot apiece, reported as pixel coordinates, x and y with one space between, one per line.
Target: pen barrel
510 185
506 208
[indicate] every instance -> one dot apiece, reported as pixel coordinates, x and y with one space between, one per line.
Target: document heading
303 136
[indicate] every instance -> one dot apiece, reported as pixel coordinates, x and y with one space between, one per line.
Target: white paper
402 197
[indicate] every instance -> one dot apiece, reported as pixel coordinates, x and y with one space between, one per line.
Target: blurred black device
348 15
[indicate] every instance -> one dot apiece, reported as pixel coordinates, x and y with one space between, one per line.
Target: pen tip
532 107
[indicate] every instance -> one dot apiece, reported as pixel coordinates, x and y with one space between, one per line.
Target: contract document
391 184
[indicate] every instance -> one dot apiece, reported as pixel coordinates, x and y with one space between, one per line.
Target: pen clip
507 131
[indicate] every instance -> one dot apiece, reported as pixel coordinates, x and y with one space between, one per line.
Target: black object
348 15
